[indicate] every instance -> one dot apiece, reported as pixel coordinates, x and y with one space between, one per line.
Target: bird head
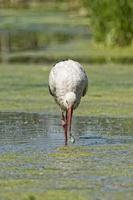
70 99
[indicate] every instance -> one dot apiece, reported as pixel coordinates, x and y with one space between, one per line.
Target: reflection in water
22 130
43 132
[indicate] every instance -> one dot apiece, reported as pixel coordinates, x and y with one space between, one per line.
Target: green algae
71 173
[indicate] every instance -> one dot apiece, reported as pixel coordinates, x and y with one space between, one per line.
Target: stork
68 82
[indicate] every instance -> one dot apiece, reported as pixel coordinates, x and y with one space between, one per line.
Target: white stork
68 82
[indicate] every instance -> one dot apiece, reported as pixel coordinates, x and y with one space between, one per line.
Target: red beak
68 121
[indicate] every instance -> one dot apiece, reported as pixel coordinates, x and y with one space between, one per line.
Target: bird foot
72 139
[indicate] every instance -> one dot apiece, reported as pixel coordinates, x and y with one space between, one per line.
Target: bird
67 83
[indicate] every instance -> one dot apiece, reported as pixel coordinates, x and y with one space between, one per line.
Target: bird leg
71 113
64 125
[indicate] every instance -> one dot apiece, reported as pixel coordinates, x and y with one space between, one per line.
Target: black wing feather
50 91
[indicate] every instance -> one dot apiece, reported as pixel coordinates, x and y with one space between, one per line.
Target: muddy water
35 164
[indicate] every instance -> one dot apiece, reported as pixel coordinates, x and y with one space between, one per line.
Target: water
32 153
21 131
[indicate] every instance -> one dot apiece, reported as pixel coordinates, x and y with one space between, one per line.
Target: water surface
34 163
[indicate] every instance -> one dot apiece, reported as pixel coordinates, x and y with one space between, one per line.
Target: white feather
68 77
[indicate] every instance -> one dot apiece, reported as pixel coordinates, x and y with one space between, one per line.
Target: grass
24 88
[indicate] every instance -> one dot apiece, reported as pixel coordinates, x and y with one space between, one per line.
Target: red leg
70 123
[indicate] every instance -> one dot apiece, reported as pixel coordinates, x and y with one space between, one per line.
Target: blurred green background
34 35
47 31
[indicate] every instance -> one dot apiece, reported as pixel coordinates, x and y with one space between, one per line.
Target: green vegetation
24 88
103 171
111 21
47 33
